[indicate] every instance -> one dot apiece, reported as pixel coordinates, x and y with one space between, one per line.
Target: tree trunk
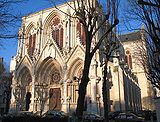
7 102
82 88
105 94
82 93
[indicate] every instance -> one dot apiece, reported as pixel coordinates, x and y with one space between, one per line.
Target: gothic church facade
49 63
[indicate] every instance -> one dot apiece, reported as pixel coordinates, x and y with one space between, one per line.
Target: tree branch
104 36
141 2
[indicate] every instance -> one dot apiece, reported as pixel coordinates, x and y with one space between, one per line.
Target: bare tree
150 3
109 50
8 18
151 12
5 83
91 15
7 80
148 13
149 59
2 69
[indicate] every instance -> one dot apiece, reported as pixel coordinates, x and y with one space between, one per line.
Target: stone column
64 98
14 95
39 33
93 96
72 33
23 36
32 104
13 100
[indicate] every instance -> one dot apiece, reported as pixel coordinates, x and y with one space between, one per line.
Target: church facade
49 63
134 46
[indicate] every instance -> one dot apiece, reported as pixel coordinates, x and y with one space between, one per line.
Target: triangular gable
52 45
25 62
78 52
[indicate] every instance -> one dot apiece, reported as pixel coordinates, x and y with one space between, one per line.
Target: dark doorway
55 99
28 101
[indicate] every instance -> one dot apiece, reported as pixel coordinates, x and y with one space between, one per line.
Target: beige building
48 66
133 45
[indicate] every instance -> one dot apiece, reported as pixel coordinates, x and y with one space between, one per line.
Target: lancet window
57 31
81 32
129 59
32 41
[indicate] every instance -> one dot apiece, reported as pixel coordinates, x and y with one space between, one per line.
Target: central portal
55 99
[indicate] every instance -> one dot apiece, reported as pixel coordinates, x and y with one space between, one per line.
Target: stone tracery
57 31
51 86
55 76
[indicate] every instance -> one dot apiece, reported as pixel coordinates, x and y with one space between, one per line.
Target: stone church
49 63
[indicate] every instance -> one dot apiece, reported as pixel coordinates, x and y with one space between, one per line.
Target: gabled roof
130 36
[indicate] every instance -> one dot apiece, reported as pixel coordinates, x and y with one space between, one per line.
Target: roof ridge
130 33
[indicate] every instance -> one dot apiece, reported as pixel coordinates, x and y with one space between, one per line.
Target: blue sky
10 46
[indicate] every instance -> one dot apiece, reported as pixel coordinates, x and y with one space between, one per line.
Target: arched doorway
24 80
55 99
28 101
50 73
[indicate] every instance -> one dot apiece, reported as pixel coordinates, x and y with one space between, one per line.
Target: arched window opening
30 44
32 41
61 37
129 59
57 36
79 28
81 33
57 31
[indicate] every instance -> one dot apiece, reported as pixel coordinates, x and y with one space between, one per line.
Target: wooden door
55 99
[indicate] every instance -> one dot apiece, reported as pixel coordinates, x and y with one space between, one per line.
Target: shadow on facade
148 103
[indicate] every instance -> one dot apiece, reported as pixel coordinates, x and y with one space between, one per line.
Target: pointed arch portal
50 73
24 79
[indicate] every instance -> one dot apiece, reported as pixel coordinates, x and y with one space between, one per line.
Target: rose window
55 76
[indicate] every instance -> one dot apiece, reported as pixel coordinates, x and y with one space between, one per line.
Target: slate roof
130 36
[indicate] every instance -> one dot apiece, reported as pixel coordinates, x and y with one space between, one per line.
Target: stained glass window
57 31
81 33
32 41
128 59
55 77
